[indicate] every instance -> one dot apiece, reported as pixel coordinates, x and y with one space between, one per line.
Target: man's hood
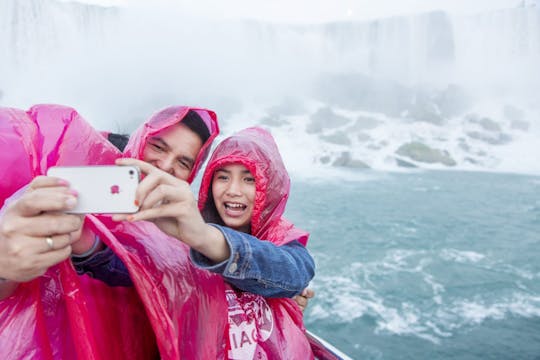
168 117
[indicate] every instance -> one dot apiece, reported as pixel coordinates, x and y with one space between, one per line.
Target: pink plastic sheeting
174 308
280 333
61 315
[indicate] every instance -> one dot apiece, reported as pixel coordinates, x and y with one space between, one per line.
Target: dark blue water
426 265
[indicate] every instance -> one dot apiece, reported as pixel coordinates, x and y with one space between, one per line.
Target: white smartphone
103 189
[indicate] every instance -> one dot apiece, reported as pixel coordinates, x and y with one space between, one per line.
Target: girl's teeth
235 206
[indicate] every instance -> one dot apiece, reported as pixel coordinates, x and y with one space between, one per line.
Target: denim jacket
255 266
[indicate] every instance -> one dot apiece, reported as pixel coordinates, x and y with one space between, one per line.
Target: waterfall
463 85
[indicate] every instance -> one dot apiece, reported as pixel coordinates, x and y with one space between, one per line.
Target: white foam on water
461 256
404 321
344 299
516 271
473 312
403 260
437 288
340 299
344 302
472 257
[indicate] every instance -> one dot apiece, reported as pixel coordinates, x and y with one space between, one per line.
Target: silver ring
49 242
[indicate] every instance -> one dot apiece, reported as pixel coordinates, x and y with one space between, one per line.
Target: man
57 313
174 149
172 140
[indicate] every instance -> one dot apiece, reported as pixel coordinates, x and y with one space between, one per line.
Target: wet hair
209 211
196 124
118 140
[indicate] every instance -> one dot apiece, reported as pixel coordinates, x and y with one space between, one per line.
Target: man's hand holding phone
35 230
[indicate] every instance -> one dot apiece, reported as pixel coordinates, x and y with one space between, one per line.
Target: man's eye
184 164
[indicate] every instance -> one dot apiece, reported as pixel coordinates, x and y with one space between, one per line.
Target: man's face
173 150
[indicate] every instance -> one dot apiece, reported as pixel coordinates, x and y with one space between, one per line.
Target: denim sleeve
106 266
260 267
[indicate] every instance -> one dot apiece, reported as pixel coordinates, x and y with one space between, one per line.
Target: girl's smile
233 190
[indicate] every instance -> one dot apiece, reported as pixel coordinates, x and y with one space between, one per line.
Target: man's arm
104 265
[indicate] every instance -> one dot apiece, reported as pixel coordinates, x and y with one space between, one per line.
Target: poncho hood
256 149
168 117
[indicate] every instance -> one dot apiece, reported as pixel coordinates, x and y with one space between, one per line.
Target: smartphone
103 189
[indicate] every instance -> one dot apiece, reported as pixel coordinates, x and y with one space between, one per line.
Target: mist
430 77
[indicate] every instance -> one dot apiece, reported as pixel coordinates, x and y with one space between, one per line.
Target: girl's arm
261 267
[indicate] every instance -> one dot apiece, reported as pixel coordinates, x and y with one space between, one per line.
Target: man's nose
166 164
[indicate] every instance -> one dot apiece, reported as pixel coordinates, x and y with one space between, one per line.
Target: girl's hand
303 299
163 199
169 203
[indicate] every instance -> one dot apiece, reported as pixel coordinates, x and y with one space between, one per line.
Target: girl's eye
249 180
221 177
157 147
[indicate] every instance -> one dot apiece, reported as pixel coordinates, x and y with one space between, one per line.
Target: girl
247 241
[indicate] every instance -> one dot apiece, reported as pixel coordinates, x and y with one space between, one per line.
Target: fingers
158 187
164 194
53 243
25 258
46 181
308 293
163 211
50 198
35 231
26 246
301 301
153 187
53 257
143 166
163 201
154 177
30 267
44 225
74 236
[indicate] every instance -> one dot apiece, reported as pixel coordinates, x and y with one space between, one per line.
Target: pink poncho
174 310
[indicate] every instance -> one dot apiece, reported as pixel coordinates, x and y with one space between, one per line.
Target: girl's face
233 189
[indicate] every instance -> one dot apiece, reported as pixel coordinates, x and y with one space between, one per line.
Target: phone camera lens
131 172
